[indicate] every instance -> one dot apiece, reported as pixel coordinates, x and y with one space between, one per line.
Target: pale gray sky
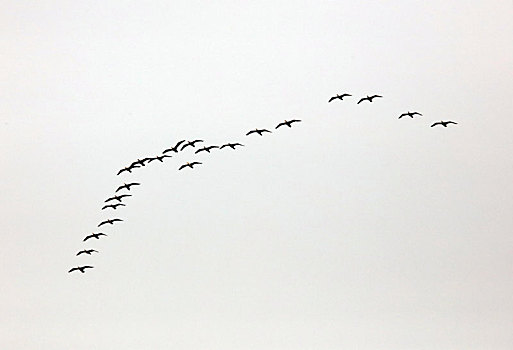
352 230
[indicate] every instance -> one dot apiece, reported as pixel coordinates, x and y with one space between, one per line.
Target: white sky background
352 230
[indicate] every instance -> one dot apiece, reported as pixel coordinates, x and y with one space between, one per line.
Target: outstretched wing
73 269
264 130
277 126
450 122
102 223
437 123
361 100
251 132
182 166
332 98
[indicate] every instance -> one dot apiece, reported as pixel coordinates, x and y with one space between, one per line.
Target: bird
81 268
231 145
288 123
94 235
109 221
443 123
175 148
87 251
113 206
128 168
340 97
140 162
190 165
368 98
190 143
258 131
118 198
206 149
409 114
127 186
159 158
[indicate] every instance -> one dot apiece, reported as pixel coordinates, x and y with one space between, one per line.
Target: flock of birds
180 146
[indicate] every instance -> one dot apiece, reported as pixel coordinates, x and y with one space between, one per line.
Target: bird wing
194 163
264 130
182 166
277 126
332 98
437 123
107 206
87 237
119 172
102 223
116 220
201 149
109 199
187 144
178 144
450 122
125 195
134 184
294 121
73 269
251 132
362 99
120 188
87 267
346 95
373 96
81 252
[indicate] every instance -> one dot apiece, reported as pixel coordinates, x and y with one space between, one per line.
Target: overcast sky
351 230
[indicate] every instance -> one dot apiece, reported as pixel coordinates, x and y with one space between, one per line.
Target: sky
351 230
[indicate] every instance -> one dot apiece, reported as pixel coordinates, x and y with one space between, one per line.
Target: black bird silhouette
443 123
109 221
127 186
258 131
80 268
409 114
368 98
118 198
288 123
87 251
190 143
113 206
128 168
159 158
340 97
140 162
94 235
231 145
175 148
206 149
190 165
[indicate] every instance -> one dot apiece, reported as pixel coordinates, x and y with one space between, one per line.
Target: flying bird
231 145
80 268
258 131
94 235
127 186
409 114
109 221
159 158
206 149
190 143
113 206
340 97
87 251
128 168
118 198
443 123
368 98
140 162
288 123
190 165
175 148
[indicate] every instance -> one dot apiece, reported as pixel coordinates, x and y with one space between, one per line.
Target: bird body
159 158
368 98
288 123
113 206
441 122
206 149
87 251
190 143
128 186
94 235
80 268
340 97
118 198
409 114
190 165
258 131
175 148
109 221
231 145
